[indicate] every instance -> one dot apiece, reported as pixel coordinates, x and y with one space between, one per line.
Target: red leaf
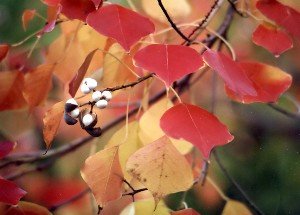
231 73
10 193
98 3
77 9
283 15
3 51
12 85
52 13
195 125
169 62
124 25
270 82
188 211
27 16
272 39
77 79
6 147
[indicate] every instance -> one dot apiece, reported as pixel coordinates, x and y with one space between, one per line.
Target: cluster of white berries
87 118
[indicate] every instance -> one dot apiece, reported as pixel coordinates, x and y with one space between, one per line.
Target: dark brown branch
173 25
247 199
232 3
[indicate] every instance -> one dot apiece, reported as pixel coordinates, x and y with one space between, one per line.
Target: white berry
101 104
96 96
90 82
75 113
107 95
87 119
72 101
85 89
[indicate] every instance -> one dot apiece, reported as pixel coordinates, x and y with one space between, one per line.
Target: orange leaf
27 16
103 174
37 84
52 121
11 96
3 51
161 168
27 208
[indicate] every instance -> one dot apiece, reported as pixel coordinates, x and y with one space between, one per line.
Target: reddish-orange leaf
12 85
232 74
283 15
77 79
77 9
52 121
188 211
10 193
38 82
98 3
6 147
195 125
124 25
27 208
103 174
27 16
52 14
270 82
51 2
274 40
3 51
169 62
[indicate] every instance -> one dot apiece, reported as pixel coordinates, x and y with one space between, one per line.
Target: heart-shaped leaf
124 25
195 125
169 62
274 40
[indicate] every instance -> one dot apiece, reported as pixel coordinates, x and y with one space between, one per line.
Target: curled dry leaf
150 130
12 85
125 26
235 207
27 208
169 62
283 15
6 147
195 125
103 174
27 16
269 82
52 121
231 73
273 39
10 192
161 168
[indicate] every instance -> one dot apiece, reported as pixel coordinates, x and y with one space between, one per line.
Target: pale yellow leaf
146 207
128 145
150 129
177 10
103 174
233 207
161 168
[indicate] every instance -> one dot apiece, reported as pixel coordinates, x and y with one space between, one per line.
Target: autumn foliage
128 77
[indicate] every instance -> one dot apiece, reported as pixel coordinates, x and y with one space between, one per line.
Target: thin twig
232 3
284 111
179 32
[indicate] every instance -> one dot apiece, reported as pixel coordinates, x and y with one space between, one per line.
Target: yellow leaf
116 73
146 207
38 82
150 129
52 121
233 207
127 146
103 174
161 168
179 10
11 96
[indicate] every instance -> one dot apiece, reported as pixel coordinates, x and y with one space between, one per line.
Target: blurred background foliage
263 158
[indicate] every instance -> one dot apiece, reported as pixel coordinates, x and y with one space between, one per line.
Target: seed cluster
87 118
